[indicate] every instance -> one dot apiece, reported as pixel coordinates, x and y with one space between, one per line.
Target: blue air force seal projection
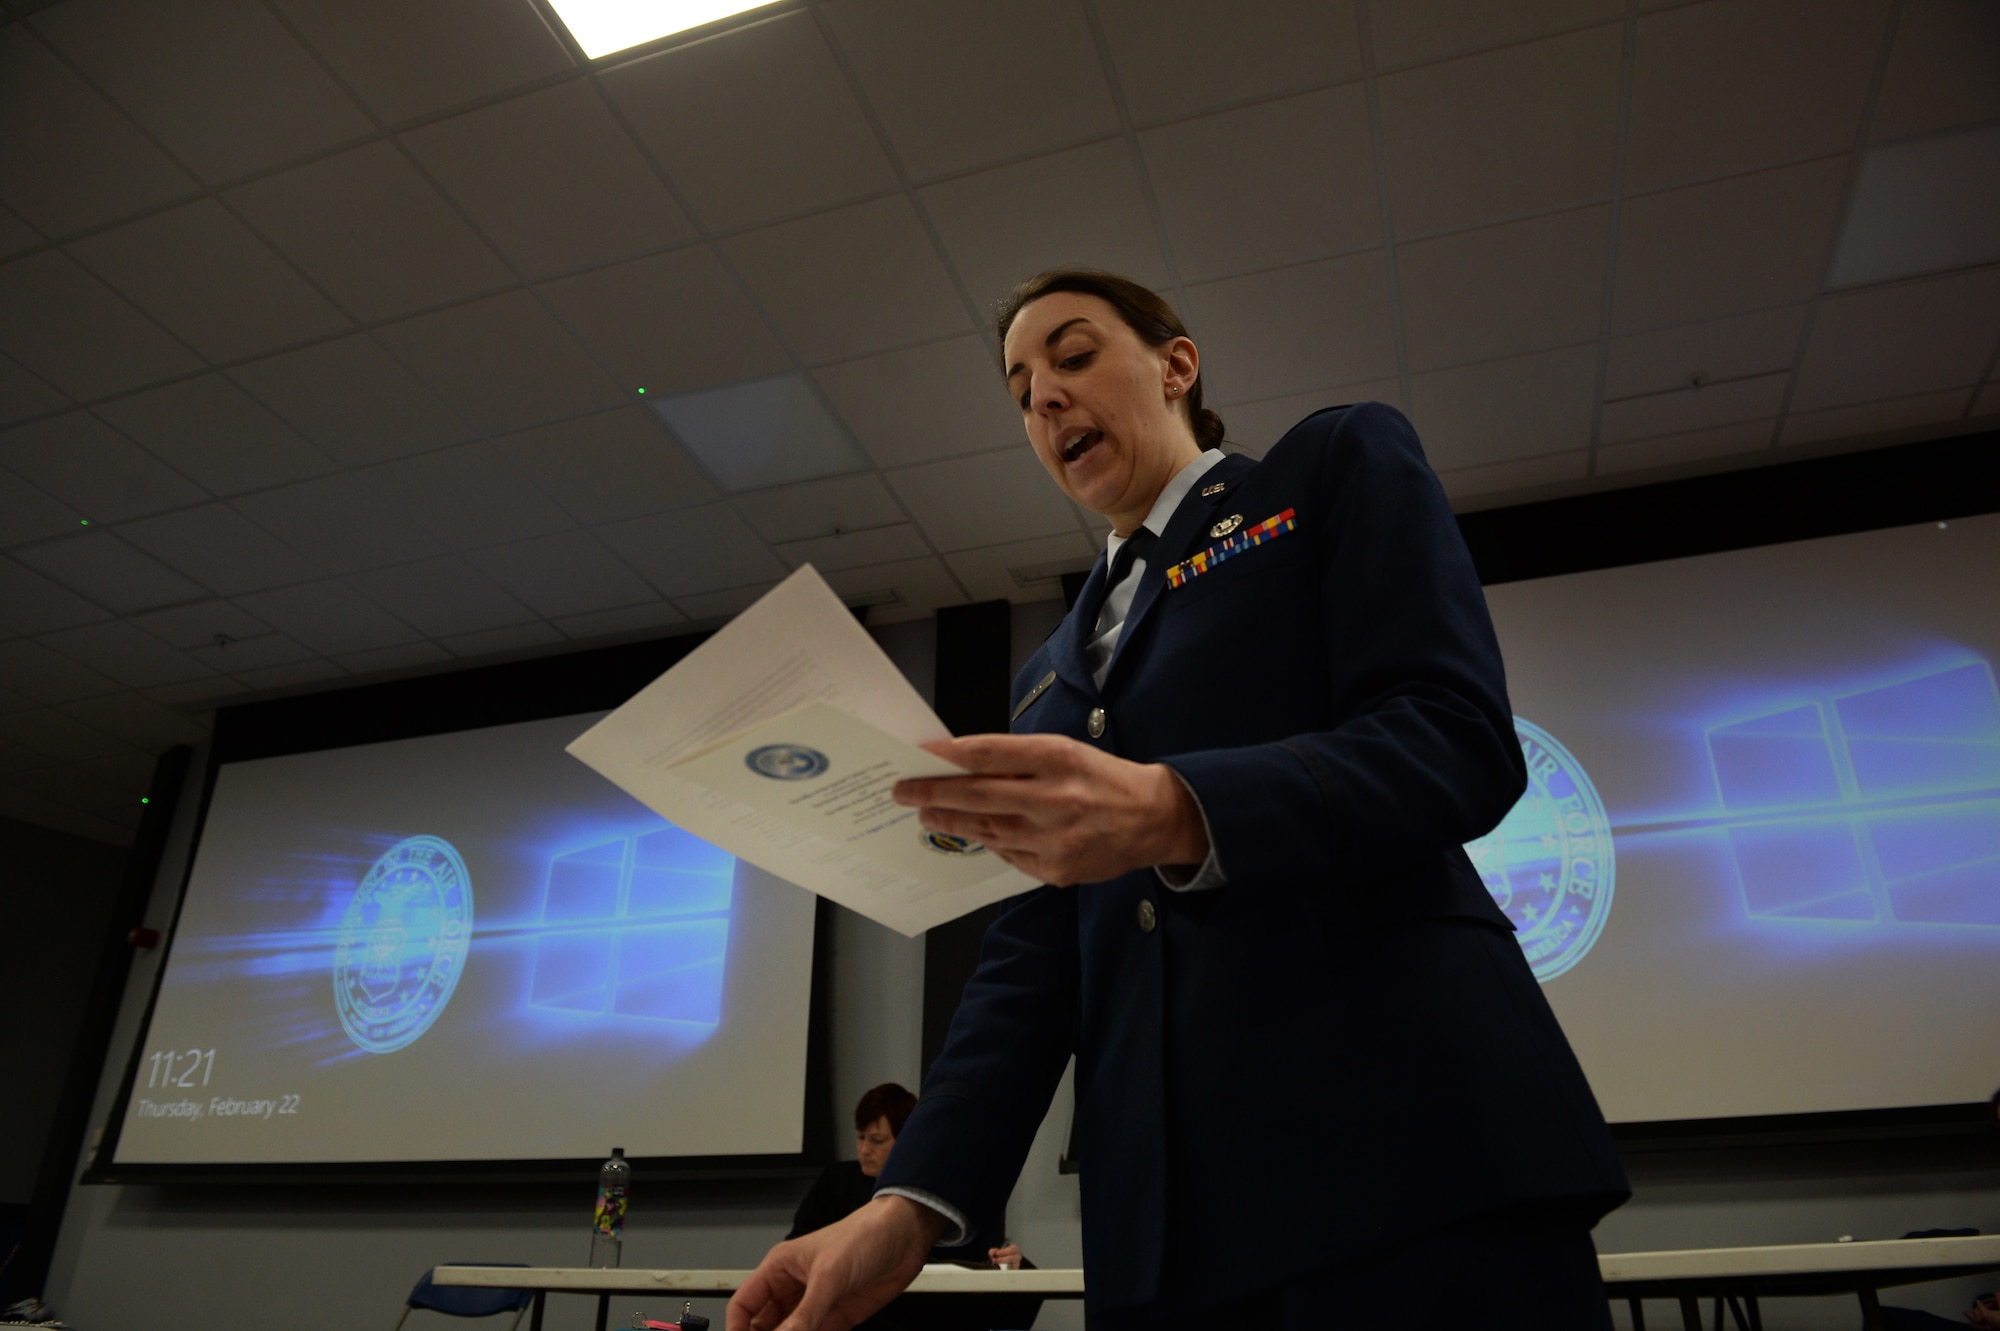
1792 755
331 994
402 944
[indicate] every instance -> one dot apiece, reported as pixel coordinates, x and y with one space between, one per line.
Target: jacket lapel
1066 644
1187 531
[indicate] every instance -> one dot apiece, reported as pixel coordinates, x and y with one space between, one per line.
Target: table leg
1638 1307
603 1310
1871 1310
535 1318
1756 1317
1690 1313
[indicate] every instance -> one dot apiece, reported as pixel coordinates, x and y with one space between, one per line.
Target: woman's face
873 1144
1101 408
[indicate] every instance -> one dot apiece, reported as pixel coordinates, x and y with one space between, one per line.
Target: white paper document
779 739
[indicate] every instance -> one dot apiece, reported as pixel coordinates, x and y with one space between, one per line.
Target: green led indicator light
83 522
145 799
642 392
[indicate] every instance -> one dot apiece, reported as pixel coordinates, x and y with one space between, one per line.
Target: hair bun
1207 428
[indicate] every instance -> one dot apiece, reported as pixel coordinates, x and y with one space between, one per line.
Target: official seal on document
944 843
1549 863
402 943
787 762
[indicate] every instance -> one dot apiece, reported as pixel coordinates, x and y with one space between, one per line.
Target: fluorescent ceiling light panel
762 432
603 26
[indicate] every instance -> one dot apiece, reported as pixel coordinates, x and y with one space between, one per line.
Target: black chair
467 1300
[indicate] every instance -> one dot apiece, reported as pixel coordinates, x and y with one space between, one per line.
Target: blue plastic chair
467 1300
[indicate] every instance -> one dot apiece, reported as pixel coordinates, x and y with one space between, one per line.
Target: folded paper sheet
778 740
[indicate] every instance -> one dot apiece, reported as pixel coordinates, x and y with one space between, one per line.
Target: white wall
239 1259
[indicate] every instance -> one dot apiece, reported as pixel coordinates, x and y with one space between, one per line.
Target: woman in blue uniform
1245 765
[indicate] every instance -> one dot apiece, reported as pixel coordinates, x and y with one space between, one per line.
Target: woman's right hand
836 1277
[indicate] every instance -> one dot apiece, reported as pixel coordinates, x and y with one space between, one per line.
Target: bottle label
610 1218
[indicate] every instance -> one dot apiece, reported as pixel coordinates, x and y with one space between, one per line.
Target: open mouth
1080 445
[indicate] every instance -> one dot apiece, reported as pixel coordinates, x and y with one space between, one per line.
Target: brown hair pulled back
889 1101
1143 311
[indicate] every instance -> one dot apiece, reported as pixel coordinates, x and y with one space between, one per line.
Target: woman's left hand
1059 810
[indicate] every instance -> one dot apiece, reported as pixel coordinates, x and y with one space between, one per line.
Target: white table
1685 1276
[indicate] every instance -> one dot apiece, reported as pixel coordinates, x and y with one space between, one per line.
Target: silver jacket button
1149 917
1095 725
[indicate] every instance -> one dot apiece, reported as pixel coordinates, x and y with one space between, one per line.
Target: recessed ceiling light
603 26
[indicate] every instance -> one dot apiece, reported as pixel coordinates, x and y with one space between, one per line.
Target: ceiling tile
442 597
203 695
1497 291
470 495
353 400
1527 476
30 603
1271 184
520 639
1503 410
1913 337
127 654
407 60
215 434
407 658
61 323
1742 244
221 83
569 574
616 464
1734 84
328 617
821 508
1987 404
961 84
855 549
34 671
707 607
999 226
68 160
109 572
23 395
372 232
240 656
989 499
846 283
29 514
1940 69
1682 410
1023 570
59 737
199 624
924 403
772 431
1874 418
632 621
1694 446
670 322
1294 329
1521 130
1731 348
137 720
504 362
553 180
753 125
695 550
341 523
920 585
1412 32
130 773
201 273
1178 58
16 236
89 466
219 548
1255 426
292 678
1922 207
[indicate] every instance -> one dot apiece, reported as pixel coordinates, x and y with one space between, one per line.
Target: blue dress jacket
1342 1047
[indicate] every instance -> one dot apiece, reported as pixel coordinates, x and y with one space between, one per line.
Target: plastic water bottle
607 1227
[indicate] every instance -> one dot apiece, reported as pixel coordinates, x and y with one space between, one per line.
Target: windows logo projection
1549 863
1872 806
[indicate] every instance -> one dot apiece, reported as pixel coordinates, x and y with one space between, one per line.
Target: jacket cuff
960 1232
